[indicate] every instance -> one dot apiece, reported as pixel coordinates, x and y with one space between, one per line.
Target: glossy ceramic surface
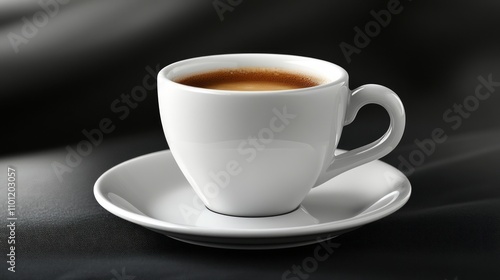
151 191
259 153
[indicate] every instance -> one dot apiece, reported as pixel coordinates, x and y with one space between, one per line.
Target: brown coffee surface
250 79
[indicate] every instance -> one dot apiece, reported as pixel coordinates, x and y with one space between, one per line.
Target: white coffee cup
258 153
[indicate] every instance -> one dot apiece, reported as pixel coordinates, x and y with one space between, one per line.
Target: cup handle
363 95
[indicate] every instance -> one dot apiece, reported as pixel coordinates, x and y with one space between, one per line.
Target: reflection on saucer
297 218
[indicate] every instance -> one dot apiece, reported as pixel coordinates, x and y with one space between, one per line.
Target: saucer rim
403 188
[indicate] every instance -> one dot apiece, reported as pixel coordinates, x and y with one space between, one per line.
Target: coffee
250 79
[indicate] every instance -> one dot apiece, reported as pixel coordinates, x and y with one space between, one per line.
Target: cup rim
162 75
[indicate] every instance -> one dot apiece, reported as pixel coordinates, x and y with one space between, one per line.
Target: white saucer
151 191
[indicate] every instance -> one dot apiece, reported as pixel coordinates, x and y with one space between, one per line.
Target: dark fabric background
65 79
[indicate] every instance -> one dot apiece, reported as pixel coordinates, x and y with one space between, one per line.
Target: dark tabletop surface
65 79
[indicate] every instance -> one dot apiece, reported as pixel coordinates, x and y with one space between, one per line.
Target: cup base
250 216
